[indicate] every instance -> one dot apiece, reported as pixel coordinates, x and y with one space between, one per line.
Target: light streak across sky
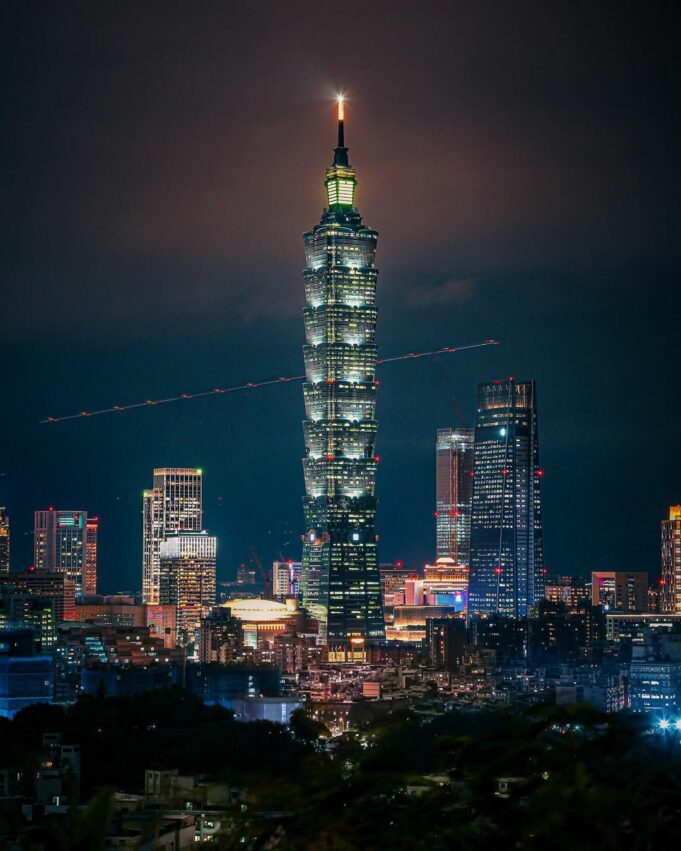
254 385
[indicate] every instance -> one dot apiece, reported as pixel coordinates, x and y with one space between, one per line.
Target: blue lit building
340 583
25 677
507 544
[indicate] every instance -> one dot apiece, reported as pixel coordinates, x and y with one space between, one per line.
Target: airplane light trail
252 385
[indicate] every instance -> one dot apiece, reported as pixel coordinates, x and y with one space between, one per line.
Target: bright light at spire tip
340 99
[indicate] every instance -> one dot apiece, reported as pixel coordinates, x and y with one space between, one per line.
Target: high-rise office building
285 578
187 579
90 572
4 540
453 492
60 544
670 583
174 504
339 579
507 546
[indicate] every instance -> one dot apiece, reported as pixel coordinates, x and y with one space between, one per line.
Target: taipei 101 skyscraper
339 579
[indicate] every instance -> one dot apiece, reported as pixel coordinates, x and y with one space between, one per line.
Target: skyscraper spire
341 119
341 152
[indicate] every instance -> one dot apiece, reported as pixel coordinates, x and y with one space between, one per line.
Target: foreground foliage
545 778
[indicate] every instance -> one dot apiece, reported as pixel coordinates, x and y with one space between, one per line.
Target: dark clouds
161 160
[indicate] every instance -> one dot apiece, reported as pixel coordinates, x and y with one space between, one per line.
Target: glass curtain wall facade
453 493
339 579
507 545
172 505
60 544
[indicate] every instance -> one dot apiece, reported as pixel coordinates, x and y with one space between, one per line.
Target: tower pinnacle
341 153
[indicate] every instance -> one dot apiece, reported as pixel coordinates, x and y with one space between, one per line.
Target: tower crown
341 182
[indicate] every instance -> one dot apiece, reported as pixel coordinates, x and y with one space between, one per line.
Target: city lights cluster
666 725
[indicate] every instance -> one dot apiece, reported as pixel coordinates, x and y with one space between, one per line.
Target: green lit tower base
339 580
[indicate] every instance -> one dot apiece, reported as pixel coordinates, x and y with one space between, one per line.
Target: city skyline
483 236
349 340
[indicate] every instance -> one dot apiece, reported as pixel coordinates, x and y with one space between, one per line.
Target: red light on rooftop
436 513
504 472
540 472
399 563
454 512
330 457
498 571
377 458
30 569
330 380
471 474
377 383
663 581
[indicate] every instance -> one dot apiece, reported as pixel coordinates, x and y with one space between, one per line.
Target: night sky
160 162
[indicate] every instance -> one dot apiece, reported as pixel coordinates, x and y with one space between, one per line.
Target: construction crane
264 575
462 420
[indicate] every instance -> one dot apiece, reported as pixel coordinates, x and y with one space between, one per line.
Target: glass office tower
453 491
339 579
173 504
507 547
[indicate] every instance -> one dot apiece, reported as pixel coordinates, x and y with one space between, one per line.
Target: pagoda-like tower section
340 580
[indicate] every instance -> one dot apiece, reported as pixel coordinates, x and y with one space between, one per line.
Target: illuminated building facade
453 492
507 544
174 504
570 590
55 586
619 590
60 544
339 579
4 540
285 578
120 610
670 584
187 579
90 572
